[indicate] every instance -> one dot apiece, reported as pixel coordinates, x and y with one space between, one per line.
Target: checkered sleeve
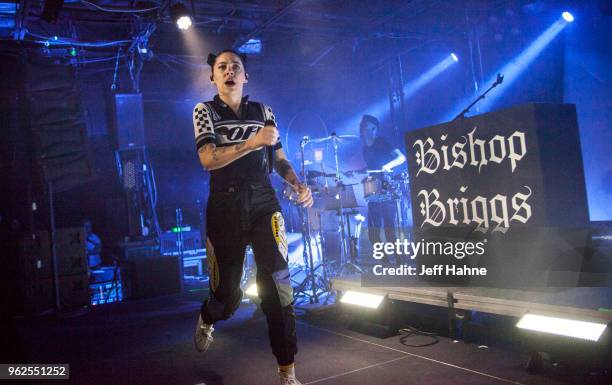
269 115
202 125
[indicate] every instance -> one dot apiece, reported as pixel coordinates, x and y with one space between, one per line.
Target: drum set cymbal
335 138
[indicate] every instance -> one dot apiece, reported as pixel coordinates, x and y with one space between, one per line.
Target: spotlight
590 331
372 301
515 67
455 58
567 16
180 15
561 339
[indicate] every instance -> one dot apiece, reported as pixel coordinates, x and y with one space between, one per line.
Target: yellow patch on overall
278 229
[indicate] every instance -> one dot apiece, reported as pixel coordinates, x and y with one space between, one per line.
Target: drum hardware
311 174
344 242
353 247
379 188
335 138
338 198
313 284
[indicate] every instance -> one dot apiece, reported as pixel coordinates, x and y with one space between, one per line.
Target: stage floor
584 303
150 342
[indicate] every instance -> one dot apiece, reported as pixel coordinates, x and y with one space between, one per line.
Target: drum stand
346 260
403 207
308 287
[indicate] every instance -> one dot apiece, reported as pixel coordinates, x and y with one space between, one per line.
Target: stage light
455 58
511 71
413 86
381 108
567 16
590 331
252 46
180 15
252 291
372 301
184 22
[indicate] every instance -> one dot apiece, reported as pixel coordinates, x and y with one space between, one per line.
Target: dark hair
213 57
371 119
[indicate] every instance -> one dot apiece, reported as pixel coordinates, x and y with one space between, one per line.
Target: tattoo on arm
218 151
284 169
216 157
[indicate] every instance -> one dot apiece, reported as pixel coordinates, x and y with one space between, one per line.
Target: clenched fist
266 136
304 195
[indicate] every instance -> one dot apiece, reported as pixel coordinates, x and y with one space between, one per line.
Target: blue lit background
543 58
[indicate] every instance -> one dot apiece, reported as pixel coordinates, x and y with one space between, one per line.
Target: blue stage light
567 16
381 108
511 71
252 46
455 58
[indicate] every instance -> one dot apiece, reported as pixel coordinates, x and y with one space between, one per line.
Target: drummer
379 154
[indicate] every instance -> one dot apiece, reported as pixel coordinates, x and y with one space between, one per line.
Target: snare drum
377 189
372 186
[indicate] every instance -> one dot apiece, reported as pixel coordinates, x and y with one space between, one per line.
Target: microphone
270 149
500 79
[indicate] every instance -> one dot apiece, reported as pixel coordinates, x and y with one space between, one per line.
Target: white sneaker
203 335
288 377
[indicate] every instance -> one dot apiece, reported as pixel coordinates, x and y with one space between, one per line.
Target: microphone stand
498 81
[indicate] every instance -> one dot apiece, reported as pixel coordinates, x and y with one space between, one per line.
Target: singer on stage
238 142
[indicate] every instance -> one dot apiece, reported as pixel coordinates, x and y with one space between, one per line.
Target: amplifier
71 251
139 249
192 240
35 256
39 295
151 276
74 291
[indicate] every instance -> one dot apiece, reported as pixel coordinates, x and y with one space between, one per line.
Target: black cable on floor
412 331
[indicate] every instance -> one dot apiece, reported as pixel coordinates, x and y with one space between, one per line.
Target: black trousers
383 216
234 220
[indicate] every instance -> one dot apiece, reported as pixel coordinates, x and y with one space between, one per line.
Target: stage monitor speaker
129 121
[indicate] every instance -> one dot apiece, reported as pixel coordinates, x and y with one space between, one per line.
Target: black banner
498 200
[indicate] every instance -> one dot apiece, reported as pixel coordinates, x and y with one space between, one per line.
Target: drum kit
331 228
